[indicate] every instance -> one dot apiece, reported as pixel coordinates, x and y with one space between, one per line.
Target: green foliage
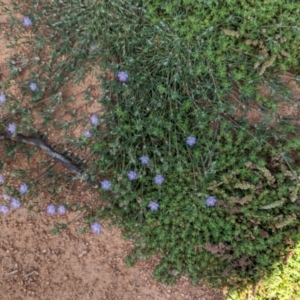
225 244
281 284
58 228
183 59
236 37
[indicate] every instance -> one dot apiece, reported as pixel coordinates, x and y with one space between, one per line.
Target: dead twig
57 156
29 274
13 272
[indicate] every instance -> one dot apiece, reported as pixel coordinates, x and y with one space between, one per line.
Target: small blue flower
6 197
159 179
1 179
27 22
2 98
105 185
96 228
23 188
4 209
11 128
87 133
210 201
122 76
132 175
144 160
33 86
50 209
15 203
94 120
61 210
191 141
153 205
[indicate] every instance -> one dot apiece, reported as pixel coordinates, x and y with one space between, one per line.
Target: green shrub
175 91
238 239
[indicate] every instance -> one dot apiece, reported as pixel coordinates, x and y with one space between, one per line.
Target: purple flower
1 179
11 128
158 179
27 22
191 141
4 209
153 205
15 203
33 86
23 188
144 160
96 228
210 201
94 120
132 175
105 185
87 133
50 209
2 98
61 210
5 197
122 76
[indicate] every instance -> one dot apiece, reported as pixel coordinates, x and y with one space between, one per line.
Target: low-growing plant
181 173
248 228
239 35
281 284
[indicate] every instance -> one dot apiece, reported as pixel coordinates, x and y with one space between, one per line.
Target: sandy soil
35 264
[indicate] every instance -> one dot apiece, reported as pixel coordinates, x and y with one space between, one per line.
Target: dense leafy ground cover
182 174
